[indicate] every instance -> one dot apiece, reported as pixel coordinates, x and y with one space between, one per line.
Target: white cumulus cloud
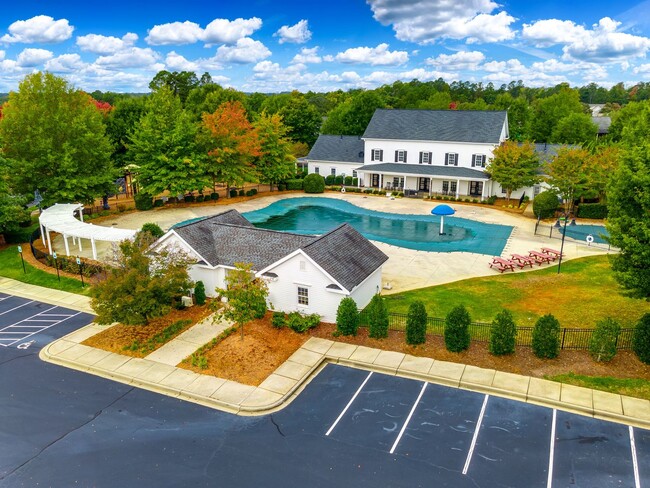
307 56
177 62
246 50
174 33
31 57
461 60
374 56
427 21
41 28
296 34
98 44
134 57
66 63
224 31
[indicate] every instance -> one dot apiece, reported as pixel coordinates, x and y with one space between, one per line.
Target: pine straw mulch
119 337
265 348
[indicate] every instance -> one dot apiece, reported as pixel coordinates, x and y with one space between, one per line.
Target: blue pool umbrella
442 210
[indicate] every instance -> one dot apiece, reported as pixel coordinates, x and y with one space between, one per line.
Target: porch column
483 190
430 187
49 240
92 244
381 181
457 188
404 187
65 243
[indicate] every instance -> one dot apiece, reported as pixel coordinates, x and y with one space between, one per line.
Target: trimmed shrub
259 307
314 183
602 345
592 211
330 179
233 192
546 337
199 293
456 330
641 339
302 323
416 323
158 202
378 317
348 180
153 229
338 180
347 317
545 204
143 201
172 200
214 196
282 187
242 193
189 198
355 181
278 320
502 334
295 184
200 198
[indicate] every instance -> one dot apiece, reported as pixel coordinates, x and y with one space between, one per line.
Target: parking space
23 320
489 440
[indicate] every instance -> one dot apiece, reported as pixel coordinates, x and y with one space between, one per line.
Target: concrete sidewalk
73 301
158 373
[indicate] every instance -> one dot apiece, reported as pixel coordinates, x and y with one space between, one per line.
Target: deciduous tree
575 128
302 119
275 162
568 173
514 166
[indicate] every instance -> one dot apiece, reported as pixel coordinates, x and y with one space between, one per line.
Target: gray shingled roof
346 255
603 124
437 125
228 238
347 149
424 170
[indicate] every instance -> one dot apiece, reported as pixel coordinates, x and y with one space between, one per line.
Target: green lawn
623 386
10 267
583 293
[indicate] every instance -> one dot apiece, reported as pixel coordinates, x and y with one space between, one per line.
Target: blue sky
275 45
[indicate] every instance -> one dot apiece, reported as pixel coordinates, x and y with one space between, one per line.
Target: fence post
563 336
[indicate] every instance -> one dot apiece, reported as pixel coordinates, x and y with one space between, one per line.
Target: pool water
311 215
580 232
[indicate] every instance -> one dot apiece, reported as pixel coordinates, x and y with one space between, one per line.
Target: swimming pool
310 215
580 232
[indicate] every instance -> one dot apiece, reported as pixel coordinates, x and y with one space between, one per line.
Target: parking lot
348 427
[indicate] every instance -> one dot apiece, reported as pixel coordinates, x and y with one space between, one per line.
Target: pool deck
406 269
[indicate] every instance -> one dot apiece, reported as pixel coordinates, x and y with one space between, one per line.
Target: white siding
211 278
364 292
325 167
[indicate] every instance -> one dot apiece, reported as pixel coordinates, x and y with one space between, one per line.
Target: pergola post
42 231
81 214
65 242
92 244
79 242
49 240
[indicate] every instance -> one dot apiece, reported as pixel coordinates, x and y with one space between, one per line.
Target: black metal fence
575 234
575 339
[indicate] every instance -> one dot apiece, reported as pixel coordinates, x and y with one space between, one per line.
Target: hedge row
592 211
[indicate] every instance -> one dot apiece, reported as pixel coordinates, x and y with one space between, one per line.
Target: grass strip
634 387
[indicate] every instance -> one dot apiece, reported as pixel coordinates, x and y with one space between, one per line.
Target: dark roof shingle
346 149
437 125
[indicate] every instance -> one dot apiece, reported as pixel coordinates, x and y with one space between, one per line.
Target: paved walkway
46 295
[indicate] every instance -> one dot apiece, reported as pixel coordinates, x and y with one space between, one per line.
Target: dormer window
451 159
478 160
377 155
425 158
400 156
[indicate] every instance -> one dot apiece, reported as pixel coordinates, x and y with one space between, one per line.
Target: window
453 187
316 170
451 159
478 160
354 173
376 155
400 156
503 190
303 296
449 187
425 158
333 171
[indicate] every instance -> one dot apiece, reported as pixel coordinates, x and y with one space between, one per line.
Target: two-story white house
432 151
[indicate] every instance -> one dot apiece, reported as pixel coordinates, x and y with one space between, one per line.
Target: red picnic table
502 264
523 261
541 257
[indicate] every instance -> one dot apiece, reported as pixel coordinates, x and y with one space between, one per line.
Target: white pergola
61 218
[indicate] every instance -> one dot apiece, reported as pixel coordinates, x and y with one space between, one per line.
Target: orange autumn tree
232 144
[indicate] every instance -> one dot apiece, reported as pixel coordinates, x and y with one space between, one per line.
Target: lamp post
20 251
557 225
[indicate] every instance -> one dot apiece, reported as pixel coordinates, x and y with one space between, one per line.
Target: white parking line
478 427
408 419
551 454
348 405
25 335
635 464
16 308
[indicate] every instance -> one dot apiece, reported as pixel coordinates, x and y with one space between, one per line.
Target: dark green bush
214 196
20 235
242 193
143 201
172 200
233 192
282 187
200 198
199 293
355 181
295 184
641 339
592 211
602 345
456 330
491 199
503 333
259 307
314 183
330 179
347 317
377 317
416 323
546 337
545 204
338 180
189 198
158 202
302 323
348 180
278 320
153 229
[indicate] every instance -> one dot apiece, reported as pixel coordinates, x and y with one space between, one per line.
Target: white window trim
304 296
401 156
376 155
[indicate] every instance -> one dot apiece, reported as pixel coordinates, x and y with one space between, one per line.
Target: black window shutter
430 158
421 157
446 159
405 158
396 154
372 155
473 160
456 159
381 155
